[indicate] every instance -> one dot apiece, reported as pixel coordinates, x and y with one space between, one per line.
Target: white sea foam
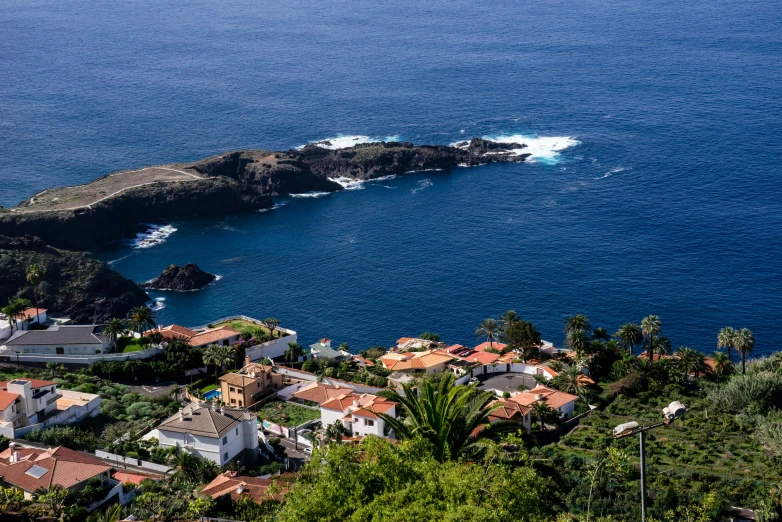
115 261
543 149
155 235
158 304
343 142
422 184
275 207
615 170
350 184
313 194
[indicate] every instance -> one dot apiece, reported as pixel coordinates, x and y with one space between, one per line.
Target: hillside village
135 420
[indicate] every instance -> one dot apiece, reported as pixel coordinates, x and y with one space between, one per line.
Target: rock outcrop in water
114 207
180 278
74 284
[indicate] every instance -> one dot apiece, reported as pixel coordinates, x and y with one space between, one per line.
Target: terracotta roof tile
554 398
230 482
320 392
7 399
64 466
35 383
213 336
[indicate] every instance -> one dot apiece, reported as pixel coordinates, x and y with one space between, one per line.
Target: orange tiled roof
7 399
31 312
230 483
495 345
212 336
554 398
132 478
508 410
414 360
64 467
35 383
320 392
342 402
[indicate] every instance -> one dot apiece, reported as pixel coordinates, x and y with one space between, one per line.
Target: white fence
270 349
119 459
90 407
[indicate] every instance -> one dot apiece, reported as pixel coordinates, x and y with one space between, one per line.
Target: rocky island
114 206
180 279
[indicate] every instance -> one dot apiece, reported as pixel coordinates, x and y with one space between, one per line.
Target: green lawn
209 388
287 414
128 344
244 326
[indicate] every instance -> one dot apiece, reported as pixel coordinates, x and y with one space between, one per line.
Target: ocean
653 189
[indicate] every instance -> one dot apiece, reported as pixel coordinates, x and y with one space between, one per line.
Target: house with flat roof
31 469
249 385
414 343
470 355
59 340
222 335
219 434
27 404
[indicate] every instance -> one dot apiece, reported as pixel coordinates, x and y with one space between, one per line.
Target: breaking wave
155 235
343 142
543 149
313 194
615 170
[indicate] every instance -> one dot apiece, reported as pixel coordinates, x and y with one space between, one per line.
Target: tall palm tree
578 340
227 356
629 335
508 318
35 277
745 343
141 318
568 380
114 329
577 322
650 326
722 363
689 361
727 339
294 351
211 356
488 328
446 415
543 412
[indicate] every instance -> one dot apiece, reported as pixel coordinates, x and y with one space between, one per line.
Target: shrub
752 393
630 385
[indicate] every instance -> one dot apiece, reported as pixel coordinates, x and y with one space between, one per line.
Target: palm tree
722 363
689 361
727 339
227 356
445 415
488 328
744 343
543 412
577 322
601 334
650 326
53 500
175 391
578 341
112 514
630 335
294 351
14 309
271 323
35 277
141 318
211 356
508 318
54 368
115 328
568 380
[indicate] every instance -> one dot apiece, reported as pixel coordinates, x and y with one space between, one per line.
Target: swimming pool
211 394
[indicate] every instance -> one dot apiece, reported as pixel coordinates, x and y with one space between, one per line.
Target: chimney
181 414
240 488
15 456
246 360
222 410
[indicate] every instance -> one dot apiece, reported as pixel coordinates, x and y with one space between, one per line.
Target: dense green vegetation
287 414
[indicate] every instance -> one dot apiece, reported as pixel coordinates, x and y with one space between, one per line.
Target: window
259 384
237 431
233 401
232 389
369 422
225 440
240 404
225 456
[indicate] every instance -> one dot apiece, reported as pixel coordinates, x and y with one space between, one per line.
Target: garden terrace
287 414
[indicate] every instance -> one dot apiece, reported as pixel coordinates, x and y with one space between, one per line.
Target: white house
27 404
59 340
217 434
359 413
23 321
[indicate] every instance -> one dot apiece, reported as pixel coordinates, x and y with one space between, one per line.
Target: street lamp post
670 413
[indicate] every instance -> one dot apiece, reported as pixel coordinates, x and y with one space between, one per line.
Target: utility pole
642 438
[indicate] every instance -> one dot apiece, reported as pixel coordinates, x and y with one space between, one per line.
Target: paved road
505 381
297 458
155 390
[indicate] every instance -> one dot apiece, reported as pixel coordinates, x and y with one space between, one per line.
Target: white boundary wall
86 360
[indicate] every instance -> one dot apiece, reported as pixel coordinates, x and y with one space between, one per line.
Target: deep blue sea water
669 203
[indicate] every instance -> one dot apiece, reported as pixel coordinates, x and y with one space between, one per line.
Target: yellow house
248 385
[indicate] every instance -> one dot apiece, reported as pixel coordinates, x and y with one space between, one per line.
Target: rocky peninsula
115 206
180 279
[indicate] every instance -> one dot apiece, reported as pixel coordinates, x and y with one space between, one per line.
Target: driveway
296 458
155 390
505 381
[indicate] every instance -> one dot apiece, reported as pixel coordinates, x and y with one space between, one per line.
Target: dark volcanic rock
74 284
231 183
180 278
